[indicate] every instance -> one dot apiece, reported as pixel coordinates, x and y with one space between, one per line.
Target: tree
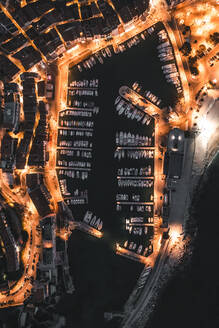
214 38
186 48
193 60
194 70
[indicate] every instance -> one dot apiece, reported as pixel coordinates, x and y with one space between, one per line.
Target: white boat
128 113
121 110
103 53
119 105
144 119
133 114
93 60
100 59
140 249
79 68
108 52
88 64
117 100
135 85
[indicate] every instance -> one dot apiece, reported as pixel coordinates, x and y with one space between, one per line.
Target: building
173 160
39 194
11 111
11 250
38 154
8 150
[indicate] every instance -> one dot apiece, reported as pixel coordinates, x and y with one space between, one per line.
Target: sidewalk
180 196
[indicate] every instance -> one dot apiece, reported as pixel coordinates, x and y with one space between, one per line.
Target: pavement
180 196
180 64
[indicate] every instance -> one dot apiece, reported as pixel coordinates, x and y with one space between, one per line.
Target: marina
105 159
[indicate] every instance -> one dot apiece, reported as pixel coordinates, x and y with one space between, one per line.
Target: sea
191 298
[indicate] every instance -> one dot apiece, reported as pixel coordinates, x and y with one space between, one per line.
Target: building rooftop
176 140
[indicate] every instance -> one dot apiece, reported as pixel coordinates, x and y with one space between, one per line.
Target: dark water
192 299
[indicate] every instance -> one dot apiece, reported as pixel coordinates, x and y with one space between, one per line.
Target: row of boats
165 54
134 178
74 174
83 92
76 197
135 183
136 230
83 104
75 164
133 154
75 133
140 249
134 41
172 75
94 59
134 208
165 51
130 43
92 220
107 52
76 201
94 83
76 153
140 219
76 112
147 94
75 143
130 139
144 277
132 197
162 36
134 171
127 109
